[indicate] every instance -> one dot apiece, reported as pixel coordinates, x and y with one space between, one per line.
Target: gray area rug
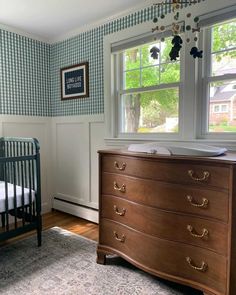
66 265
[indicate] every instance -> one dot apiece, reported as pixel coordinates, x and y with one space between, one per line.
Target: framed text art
75 81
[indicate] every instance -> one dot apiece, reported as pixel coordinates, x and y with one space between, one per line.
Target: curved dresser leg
101 257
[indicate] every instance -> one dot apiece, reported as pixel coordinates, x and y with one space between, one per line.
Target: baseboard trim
77 210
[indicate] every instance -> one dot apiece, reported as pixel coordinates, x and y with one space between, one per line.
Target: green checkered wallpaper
24 76
30 70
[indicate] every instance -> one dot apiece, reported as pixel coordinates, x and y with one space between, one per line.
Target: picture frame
75 81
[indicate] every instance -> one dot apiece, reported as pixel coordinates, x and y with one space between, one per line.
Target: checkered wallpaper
24 76
30 70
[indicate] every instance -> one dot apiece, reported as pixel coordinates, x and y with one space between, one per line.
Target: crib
20 191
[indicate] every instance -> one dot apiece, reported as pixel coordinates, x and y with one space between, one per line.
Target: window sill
124 142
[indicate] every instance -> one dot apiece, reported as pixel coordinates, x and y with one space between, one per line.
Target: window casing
219 80
194 90
149 91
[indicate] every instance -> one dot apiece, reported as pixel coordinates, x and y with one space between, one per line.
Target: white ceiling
52 19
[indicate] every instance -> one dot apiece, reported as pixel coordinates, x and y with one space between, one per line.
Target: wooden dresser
171 216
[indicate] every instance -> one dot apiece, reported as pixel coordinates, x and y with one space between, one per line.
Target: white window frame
111 106
205 78
120 91
192 107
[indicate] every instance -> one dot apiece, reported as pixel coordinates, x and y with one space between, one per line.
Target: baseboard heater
78 210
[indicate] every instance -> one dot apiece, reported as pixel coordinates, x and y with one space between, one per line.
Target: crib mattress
11 196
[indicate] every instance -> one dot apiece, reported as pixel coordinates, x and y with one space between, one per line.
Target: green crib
20 188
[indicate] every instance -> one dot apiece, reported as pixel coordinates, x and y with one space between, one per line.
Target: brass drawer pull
204 204
202 268
122 239
121 168
205 176
193 233
121 189
122 213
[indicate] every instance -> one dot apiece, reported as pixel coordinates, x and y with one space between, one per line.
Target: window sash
149 88
143 90
121 72
121 91
206 78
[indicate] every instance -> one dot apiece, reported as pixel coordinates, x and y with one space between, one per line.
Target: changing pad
186 149
11 196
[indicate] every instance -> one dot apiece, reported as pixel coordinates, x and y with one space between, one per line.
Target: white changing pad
188 149
11 196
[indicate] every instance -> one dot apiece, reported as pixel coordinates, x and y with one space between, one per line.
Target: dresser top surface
227 158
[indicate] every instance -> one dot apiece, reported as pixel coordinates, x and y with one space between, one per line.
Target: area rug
66 265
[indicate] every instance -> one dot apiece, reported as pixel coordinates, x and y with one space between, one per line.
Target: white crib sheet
11 196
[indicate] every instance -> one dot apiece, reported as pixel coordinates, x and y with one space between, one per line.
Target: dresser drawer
186 172
161 256
173 197
166 225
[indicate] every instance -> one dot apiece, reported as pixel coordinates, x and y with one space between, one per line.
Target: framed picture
75 81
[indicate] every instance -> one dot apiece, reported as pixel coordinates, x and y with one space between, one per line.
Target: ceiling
52 19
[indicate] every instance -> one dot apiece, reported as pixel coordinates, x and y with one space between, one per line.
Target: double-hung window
148 90
220 77
188 99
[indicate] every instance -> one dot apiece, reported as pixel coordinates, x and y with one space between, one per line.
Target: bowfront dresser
172 216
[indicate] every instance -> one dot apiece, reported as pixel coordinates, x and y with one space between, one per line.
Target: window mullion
226 77
188 122
206 39
121 85
160 56
224 50
140 67
150 88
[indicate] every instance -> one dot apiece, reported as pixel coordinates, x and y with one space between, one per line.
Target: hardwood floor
66 221
72 223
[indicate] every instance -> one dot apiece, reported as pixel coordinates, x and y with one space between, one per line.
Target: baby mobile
177 41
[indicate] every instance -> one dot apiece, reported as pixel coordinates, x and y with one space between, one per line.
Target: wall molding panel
75 141
69 159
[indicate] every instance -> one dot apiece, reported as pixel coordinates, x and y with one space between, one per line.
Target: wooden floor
66 221
69 222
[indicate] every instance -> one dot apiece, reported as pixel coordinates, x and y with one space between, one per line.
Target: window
217 108
221 77
149 90
162 100
224 108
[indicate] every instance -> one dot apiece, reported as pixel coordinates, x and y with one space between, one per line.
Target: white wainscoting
40 128
69 159
75 142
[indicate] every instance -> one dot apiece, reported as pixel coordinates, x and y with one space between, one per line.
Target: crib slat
30 185
14 192
6 197
17 154
22 193
34 187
